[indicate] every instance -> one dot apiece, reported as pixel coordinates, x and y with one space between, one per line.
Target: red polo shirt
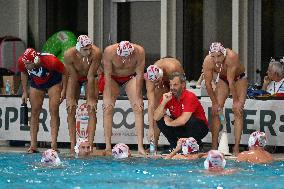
188 103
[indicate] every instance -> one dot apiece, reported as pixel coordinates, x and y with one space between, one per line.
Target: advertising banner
260 115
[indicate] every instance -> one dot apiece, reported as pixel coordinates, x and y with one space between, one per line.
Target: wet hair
180 75
277 67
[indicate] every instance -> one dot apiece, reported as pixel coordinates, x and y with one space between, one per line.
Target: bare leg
158 94
108 115
222 92
72 96
238 124
54 102
215 131
36 100
92 123
137 106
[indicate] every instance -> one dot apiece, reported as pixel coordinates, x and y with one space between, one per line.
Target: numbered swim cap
189 145
120 150
153 73
125 48
83 41
257 138
215 159
30 55
217 47
50 156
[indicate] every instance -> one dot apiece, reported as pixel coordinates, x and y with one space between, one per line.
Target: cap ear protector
36 59
78 46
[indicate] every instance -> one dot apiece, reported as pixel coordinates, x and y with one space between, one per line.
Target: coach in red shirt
47 75
187 116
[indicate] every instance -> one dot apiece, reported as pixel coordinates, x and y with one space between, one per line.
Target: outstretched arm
92 89
151 106
24 80
72 77
107 75
208 71
140 71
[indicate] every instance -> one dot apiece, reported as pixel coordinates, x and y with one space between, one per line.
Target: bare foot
72 152
32 150
236 150
142 152
54 146
108 152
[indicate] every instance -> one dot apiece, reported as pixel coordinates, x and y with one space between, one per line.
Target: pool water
23 171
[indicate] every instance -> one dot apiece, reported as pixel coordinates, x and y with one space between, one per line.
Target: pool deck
276 156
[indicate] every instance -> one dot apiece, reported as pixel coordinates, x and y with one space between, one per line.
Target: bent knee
92 109
108 108
238 113
54 111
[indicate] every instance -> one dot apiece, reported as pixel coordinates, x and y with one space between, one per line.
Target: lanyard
278 88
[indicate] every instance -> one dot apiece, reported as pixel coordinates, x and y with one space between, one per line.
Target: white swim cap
120 150
82 111
217 47
83 41
50 156
189 145
215 159
153 73
125 48
257 138
78 143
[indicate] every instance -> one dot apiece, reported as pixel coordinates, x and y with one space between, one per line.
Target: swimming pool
18 170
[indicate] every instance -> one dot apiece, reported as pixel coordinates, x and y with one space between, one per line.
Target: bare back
169 65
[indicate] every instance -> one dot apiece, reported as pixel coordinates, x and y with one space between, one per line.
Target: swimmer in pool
189 147
256 152
121 151
84 149
215 164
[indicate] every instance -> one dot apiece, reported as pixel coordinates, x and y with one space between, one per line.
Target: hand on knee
108 108
92 109
138 107
71 108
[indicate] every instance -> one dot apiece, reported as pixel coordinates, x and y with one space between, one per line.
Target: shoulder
208 63
110 49
96 49
21 63
242 156
189 94
70 52
96 52
139 49
232 56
